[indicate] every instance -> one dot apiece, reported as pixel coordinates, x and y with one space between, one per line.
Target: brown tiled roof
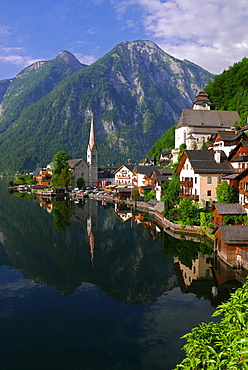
203 161
209 118
234 234
230 209
74 162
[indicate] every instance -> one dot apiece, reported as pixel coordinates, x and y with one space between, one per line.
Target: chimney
217 156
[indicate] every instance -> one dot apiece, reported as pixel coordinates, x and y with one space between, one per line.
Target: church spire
92 141
92 159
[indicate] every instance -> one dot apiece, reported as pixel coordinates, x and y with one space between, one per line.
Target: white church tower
92 157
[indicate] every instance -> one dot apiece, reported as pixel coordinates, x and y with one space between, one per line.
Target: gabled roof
234 234
208 118
130 167
144 170
225 135
75 162
230 209
234 150
203 162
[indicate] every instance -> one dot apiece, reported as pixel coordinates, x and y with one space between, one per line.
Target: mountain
135 93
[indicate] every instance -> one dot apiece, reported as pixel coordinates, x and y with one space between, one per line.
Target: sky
211 34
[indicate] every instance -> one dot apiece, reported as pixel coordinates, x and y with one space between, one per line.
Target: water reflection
131 299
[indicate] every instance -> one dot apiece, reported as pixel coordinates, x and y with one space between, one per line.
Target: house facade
124 175
201 171
228 209
239 156
231 243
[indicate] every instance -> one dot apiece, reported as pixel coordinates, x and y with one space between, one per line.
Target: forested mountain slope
229 90
135 93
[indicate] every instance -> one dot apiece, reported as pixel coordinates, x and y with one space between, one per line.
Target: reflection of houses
201 171
229 210
201 268
231 243
122 212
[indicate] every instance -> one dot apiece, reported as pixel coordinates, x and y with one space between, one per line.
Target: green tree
172 190
59 162
189 212
149 195
226 194
80 182
64 179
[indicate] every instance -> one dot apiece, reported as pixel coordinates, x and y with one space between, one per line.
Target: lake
87 286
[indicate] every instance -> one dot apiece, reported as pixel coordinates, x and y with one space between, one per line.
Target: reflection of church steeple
92 157
92 227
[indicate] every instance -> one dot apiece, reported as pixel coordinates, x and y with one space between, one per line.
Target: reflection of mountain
127 264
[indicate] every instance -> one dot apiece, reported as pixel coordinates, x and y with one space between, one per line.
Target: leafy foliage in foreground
222 345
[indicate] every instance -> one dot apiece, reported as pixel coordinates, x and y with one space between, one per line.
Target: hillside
229 90
135 92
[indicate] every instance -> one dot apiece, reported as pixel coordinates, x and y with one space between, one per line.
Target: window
195 180
209 180
209 193
218 180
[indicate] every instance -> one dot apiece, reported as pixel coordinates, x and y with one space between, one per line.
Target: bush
222 345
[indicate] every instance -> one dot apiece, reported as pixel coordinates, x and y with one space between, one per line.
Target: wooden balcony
187 195
186 184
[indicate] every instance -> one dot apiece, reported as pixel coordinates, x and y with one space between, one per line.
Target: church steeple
92 141
201 101
92 159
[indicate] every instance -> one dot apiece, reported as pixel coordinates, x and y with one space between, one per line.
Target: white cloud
212 34
92 31
16 56
85 59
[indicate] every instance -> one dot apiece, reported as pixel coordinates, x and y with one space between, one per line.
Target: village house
124 175
201 171
43 177
198 124
140 174
231 243
229 210
157 178
227 140
238 157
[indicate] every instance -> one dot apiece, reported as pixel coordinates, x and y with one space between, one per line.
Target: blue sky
212 34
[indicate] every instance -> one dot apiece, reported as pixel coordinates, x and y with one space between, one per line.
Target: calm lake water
86 287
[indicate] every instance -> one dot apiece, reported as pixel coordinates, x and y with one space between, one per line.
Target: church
200 123
88 170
